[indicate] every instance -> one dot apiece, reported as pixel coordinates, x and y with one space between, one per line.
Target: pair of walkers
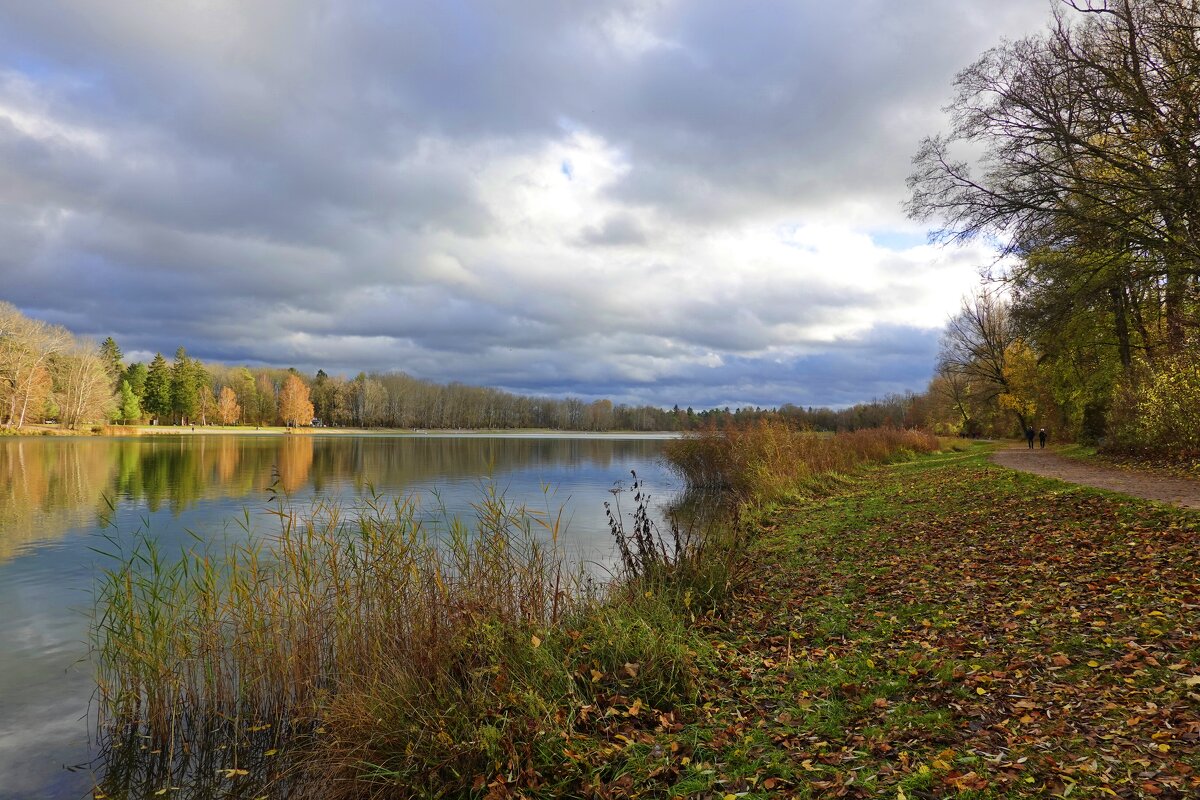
1041 437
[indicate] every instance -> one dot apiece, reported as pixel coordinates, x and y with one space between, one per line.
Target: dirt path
1177 491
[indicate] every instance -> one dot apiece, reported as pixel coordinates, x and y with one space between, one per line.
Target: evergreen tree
135 373
185 395
130 407
323 395
156 399
112 356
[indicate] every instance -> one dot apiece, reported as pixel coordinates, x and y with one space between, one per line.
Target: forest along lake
56 493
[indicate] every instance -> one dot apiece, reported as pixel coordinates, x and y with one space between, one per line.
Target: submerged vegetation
357 653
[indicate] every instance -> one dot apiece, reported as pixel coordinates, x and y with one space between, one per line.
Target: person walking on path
1042 438
1029 436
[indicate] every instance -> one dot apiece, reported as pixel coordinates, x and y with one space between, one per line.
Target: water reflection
55 490
49 486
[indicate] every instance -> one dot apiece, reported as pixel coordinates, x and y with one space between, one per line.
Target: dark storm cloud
594 198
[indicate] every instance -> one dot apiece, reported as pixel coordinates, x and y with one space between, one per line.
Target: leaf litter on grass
957 630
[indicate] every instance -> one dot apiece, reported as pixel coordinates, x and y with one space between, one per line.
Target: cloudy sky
665 202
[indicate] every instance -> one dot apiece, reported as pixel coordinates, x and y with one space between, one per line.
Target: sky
664 202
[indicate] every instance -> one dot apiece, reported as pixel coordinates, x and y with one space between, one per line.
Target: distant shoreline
136 431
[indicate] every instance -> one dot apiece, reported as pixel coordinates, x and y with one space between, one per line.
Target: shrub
1157 408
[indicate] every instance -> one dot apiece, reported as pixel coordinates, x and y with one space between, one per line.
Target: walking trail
1176 491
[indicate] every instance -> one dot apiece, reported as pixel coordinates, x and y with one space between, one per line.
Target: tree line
47 374
1089 182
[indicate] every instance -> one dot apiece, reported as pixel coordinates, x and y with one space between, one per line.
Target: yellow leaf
981 690
535 641
596 675
270 752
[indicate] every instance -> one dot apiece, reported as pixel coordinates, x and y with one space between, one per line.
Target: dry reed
770 458
362 653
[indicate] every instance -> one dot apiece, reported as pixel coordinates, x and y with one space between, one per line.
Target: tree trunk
1121 322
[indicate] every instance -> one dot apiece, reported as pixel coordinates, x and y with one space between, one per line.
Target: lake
59 496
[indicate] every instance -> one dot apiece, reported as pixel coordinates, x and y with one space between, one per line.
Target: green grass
947 628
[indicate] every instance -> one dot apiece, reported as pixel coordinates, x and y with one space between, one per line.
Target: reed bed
360 654
769 459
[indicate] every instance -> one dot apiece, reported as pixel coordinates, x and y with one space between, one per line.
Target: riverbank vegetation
359 653
932 627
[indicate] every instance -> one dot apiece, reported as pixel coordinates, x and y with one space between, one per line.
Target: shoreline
136 431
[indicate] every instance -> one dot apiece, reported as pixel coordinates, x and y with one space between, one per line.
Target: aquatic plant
362 649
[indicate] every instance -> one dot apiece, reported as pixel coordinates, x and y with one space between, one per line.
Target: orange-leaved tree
295 407
228 408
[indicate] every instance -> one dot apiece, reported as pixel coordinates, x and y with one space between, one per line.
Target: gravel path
1176 491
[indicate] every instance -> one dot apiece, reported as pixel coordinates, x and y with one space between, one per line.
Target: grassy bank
933 627
947 628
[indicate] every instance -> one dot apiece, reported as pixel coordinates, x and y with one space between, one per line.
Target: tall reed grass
770 458
359 654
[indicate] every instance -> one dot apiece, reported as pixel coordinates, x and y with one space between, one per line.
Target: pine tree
130 407
185 397
157 398
135 373
112 356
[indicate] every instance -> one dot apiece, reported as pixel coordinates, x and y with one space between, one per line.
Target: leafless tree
1090 137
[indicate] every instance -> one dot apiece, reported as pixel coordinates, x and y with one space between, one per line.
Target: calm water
55 492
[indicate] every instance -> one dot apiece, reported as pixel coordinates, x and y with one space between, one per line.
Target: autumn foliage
228 409
295 407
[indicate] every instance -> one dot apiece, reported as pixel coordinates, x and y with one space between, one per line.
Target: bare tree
1090 137
976 344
